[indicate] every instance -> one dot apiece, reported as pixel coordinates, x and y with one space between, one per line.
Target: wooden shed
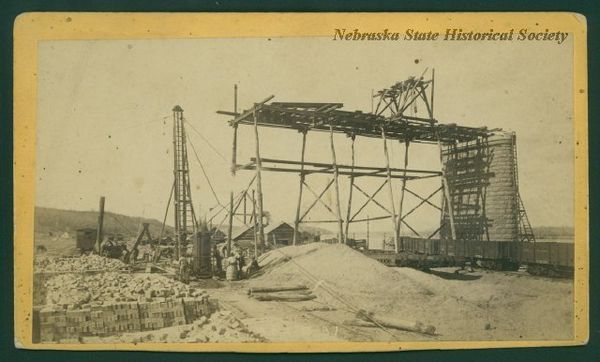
280 233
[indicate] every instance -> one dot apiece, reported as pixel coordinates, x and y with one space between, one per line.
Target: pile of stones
81 263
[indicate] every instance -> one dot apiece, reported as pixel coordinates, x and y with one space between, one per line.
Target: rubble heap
79 289
81 263
220 327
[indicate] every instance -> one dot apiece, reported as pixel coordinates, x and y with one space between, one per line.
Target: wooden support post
348 220
447 196
259 197
230 226
337 188
99 234
162 229
297 219
391 188
234 149
372 104
231 211
368 220
254 224
233 169
245 208
235 127
400 206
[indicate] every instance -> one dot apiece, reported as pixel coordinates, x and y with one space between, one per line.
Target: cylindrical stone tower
501 195
482 182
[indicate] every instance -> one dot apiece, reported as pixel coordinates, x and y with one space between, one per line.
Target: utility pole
99 234
233 166
368 220
259 195
254 224
230 228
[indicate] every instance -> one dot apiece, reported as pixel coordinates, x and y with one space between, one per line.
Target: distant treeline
553 232
49 220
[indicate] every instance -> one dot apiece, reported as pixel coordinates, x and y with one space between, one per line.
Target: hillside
57 220
553 232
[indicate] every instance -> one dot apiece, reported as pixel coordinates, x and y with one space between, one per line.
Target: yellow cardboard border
30 28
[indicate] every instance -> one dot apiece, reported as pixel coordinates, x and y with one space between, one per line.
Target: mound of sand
495 306
345 278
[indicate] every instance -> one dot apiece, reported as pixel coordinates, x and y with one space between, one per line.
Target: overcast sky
104 123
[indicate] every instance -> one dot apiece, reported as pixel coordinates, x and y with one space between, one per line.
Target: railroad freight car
540 258
548 258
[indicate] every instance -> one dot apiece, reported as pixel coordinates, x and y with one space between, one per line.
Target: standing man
217 256
184 270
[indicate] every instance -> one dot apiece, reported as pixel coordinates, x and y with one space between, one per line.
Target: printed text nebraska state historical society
453 34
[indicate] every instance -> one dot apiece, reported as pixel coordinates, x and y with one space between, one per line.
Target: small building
280 233
244 235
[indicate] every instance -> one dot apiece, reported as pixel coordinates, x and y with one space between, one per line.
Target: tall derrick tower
185 219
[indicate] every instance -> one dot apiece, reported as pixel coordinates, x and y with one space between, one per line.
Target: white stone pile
81 263
80 289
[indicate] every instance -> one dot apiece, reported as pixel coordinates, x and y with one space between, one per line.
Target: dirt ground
221 327
480 305
495 307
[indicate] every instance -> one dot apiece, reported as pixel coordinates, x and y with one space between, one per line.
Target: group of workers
234 263
234 266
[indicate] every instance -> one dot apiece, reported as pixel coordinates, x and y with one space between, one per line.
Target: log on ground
284 297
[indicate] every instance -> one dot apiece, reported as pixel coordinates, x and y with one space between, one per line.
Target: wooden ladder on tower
525 229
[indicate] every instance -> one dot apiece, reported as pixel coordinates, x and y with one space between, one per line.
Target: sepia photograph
385 185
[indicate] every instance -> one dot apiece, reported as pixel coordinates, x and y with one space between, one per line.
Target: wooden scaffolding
391 119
